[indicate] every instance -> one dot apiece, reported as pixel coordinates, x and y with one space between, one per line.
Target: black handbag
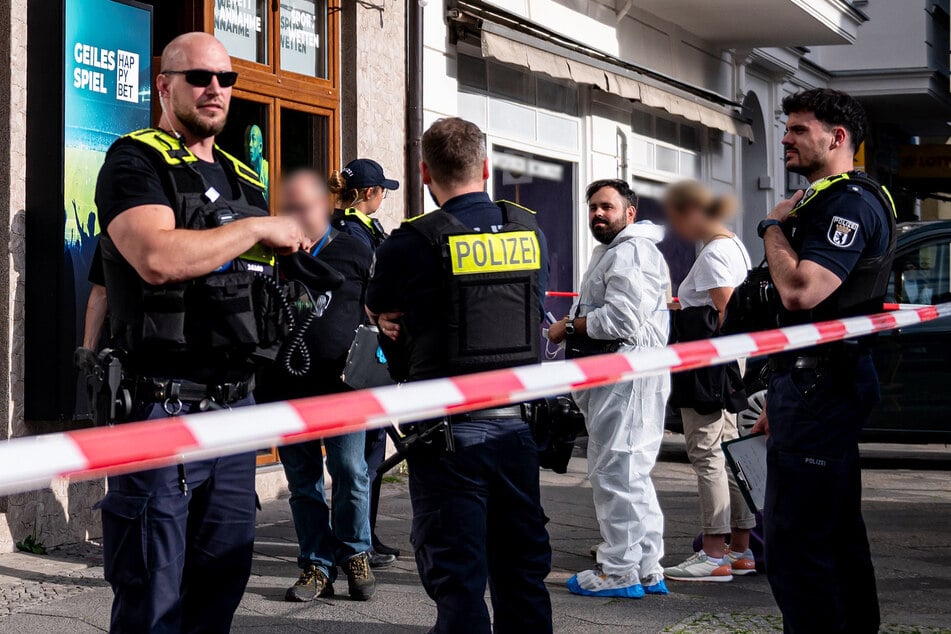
755 304
578 345
710 389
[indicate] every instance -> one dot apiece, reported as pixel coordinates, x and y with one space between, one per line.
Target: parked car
914 363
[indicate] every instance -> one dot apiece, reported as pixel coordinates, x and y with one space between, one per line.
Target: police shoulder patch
842 232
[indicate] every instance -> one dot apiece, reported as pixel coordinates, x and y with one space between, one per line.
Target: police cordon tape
33 462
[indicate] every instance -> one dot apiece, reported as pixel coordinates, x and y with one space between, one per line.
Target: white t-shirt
723 262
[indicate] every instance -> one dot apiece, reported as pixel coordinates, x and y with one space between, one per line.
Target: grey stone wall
63 512
373 92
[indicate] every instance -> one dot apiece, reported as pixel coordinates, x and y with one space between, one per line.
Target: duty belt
175 391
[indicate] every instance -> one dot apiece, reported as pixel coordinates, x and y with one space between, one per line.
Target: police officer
445 282
830 252
178 214
360 189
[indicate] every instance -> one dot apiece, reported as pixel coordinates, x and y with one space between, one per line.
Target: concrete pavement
908 509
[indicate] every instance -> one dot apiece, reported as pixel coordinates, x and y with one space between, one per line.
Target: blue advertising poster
107 94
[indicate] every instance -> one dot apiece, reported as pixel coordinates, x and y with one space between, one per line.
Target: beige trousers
722 506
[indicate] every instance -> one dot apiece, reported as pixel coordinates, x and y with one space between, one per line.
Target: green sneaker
360 578
312 583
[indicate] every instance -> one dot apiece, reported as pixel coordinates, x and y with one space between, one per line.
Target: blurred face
608 214
807 143
305 198
202 111
687 222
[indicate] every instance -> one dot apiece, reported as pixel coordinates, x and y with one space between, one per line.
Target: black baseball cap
367 173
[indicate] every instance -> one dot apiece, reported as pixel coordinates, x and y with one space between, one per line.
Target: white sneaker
594 583
699 567
741 563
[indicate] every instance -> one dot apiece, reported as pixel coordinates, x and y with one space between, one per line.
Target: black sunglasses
202 78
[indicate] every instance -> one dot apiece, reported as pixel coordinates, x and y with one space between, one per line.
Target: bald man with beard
177 215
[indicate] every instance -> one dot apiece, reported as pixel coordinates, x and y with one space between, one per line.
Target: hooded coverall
624 297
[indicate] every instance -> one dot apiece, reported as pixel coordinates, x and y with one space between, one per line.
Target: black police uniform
364 228
477 514
818 560
177 542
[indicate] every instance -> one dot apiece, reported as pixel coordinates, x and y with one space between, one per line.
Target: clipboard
747 459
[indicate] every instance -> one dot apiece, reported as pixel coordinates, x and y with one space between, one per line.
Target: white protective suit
624 297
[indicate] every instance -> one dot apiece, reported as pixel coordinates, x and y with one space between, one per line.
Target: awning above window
500 45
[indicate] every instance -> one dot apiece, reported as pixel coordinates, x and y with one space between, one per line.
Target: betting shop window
242 26
304 140
289 36
247 136
303 28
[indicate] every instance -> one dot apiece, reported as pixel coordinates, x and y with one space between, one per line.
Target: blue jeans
320 544
818 560
179 563
478 519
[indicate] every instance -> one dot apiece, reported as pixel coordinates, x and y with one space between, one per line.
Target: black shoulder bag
710 389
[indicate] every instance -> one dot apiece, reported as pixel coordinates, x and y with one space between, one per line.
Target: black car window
923 275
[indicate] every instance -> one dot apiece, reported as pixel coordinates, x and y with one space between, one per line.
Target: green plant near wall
31 545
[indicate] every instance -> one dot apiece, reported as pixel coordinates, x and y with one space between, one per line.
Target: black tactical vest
211 327
490 285
863 291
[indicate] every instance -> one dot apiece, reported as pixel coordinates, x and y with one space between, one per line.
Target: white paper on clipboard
747 459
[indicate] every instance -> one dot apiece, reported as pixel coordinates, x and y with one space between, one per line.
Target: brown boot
360 578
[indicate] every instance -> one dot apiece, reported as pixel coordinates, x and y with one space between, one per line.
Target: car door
913 362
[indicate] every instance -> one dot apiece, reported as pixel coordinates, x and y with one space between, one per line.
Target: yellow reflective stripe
819 187
242 170
260 254
171 149
359 215
494 252
888 195
523 208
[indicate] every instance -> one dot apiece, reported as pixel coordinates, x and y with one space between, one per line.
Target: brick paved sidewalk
908 511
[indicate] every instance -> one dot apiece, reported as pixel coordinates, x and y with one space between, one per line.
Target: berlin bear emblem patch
842 232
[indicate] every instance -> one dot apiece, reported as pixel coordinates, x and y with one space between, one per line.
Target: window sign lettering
303 23
241 26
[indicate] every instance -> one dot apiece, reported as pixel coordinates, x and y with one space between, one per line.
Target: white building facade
651 91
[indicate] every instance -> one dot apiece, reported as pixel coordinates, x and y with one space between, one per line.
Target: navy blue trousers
375 454
817 551
477 519
179 563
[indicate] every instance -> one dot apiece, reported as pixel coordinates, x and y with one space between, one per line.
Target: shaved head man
199 111
182 218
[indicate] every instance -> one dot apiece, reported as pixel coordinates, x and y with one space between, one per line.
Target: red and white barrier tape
32 462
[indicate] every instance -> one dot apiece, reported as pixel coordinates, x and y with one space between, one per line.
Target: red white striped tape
32 462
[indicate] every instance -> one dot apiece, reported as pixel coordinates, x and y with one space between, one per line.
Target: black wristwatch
766 224
570 327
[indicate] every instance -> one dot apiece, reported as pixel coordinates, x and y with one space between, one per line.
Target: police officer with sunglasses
183 226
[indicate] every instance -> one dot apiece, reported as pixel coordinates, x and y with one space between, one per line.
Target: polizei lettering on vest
494 253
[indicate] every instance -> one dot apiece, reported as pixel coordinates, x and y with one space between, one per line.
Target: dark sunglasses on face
202 78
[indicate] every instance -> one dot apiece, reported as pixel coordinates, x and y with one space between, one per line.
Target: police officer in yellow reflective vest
183 223
457 291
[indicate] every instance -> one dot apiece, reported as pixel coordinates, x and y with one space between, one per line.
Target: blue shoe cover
658 588
630 592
